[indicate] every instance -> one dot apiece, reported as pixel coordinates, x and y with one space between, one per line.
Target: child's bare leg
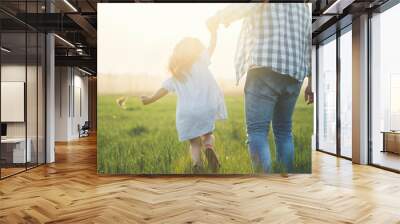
195 149
213 162
208 140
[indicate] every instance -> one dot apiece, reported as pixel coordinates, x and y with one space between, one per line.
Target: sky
139 38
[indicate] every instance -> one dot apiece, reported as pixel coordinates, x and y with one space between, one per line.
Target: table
13 150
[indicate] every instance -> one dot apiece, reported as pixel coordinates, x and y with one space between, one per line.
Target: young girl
200 100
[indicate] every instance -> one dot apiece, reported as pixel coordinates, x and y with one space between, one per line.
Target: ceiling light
5 50
70 5
65 41
333 9
79 51
84 71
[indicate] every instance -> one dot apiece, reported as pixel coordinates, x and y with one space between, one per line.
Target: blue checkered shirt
274 35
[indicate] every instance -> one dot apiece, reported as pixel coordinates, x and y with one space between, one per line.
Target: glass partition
327 96
22 107
14 153
385 89
346 94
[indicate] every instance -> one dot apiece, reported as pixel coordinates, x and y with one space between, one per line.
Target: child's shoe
212 159
197 169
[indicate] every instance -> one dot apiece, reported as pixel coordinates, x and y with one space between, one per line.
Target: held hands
213 24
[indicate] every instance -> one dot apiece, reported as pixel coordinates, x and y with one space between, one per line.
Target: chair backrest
86 125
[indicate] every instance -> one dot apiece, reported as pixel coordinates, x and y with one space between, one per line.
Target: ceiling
332 15
75 23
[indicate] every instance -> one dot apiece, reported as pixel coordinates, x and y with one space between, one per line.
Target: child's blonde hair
186 52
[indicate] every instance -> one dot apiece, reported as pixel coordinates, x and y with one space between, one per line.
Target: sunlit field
143 139
137 139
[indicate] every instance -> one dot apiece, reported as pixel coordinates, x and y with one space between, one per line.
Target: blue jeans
270 96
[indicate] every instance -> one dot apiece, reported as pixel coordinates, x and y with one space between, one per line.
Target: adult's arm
233 12
308 93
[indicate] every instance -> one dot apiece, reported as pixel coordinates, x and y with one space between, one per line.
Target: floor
387 159
70 191
5 172
10 171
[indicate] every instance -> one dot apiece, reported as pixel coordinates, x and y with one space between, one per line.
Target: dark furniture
3 129
391 141
84 130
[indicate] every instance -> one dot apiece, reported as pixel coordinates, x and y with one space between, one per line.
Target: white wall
12 73
16 73
70 84
62 82
34 125
79 117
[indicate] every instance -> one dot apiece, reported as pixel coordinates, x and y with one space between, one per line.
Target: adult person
274 50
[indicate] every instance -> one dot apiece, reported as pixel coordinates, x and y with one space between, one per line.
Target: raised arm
232 13
213 42
156 96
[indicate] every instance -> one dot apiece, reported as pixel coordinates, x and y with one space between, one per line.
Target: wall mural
174 97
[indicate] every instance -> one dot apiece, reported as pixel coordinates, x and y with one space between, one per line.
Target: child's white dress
200 100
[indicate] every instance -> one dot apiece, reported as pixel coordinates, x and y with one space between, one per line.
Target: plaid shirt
274 35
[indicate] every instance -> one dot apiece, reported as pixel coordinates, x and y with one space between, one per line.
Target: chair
84 130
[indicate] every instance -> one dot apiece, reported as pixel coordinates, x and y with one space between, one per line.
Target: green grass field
143 139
